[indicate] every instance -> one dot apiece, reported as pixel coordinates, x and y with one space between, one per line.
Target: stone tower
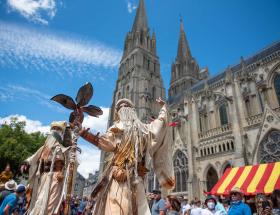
185 70
139 77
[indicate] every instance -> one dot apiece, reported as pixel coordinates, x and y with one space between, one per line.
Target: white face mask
211 205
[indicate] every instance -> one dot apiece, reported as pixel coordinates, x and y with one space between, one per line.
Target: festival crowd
13 200
232 205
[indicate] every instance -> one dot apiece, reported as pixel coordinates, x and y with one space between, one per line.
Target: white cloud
131 6
16 92
31 125
97 124
34 10
22 47
89 159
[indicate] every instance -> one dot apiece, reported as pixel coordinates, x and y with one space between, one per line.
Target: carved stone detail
269 147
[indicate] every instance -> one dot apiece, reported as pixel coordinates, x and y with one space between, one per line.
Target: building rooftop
254 59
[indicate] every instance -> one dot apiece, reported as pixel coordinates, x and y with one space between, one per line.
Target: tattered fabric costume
47 184
121 189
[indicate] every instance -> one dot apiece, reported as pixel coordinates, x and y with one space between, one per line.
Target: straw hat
11 185
236 190
60 124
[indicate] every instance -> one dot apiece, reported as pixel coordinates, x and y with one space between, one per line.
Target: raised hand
83 132
160 101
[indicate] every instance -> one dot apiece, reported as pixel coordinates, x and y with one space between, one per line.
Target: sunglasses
234 194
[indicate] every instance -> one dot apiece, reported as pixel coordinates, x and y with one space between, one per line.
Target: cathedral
226 120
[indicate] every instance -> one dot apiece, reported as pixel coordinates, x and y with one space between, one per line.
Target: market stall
261 178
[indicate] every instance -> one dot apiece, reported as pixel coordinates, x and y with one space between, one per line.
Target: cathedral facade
230 119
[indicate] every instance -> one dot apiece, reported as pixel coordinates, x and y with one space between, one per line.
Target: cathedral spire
141 20
183 51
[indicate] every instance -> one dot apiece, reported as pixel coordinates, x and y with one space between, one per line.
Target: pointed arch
223 112
180 163
211 177
269 123
271 73
276 83
273 85
127 92
226 165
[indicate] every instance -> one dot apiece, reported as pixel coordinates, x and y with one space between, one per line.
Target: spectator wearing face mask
210 209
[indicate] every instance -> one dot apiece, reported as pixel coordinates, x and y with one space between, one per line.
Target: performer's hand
160 101
83 132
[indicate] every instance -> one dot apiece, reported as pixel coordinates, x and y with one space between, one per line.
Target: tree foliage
16 144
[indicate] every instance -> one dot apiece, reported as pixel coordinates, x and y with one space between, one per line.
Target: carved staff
76 118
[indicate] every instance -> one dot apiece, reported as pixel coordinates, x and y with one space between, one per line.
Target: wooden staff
76 118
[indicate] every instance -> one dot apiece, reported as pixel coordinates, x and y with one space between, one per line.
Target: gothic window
211 178
277 87
226 167
248 106
223 115
260 95
151 180
269 147
127 92
232 145
203 121
119 95
180 163
154 92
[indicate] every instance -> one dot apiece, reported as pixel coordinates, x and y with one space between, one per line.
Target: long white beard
136 132
129 119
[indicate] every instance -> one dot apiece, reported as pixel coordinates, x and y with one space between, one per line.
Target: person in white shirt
196 210
185 206
210 203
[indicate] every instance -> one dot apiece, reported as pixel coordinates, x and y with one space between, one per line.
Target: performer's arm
160 122
94 139
104 142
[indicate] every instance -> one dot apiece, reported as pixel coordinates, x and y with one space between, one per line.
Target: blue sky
55 46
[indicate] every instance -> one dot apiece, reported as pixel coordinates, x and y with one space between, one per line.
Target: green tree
16 144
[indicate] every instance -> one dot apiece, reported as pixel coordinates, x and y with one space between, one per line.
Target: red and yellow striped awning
262 178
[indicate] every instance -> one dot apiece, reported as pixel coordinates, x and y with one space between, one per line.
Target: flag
173 124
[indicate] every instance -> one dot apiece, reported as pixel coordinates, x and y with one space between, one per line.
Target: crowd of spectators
234 204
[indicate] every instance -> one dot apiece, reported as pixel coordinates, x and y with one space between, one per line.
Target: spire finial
181 23
183 51
141 20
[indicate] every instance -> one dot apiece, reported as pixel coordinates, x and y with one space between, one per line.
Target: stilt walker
76 118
